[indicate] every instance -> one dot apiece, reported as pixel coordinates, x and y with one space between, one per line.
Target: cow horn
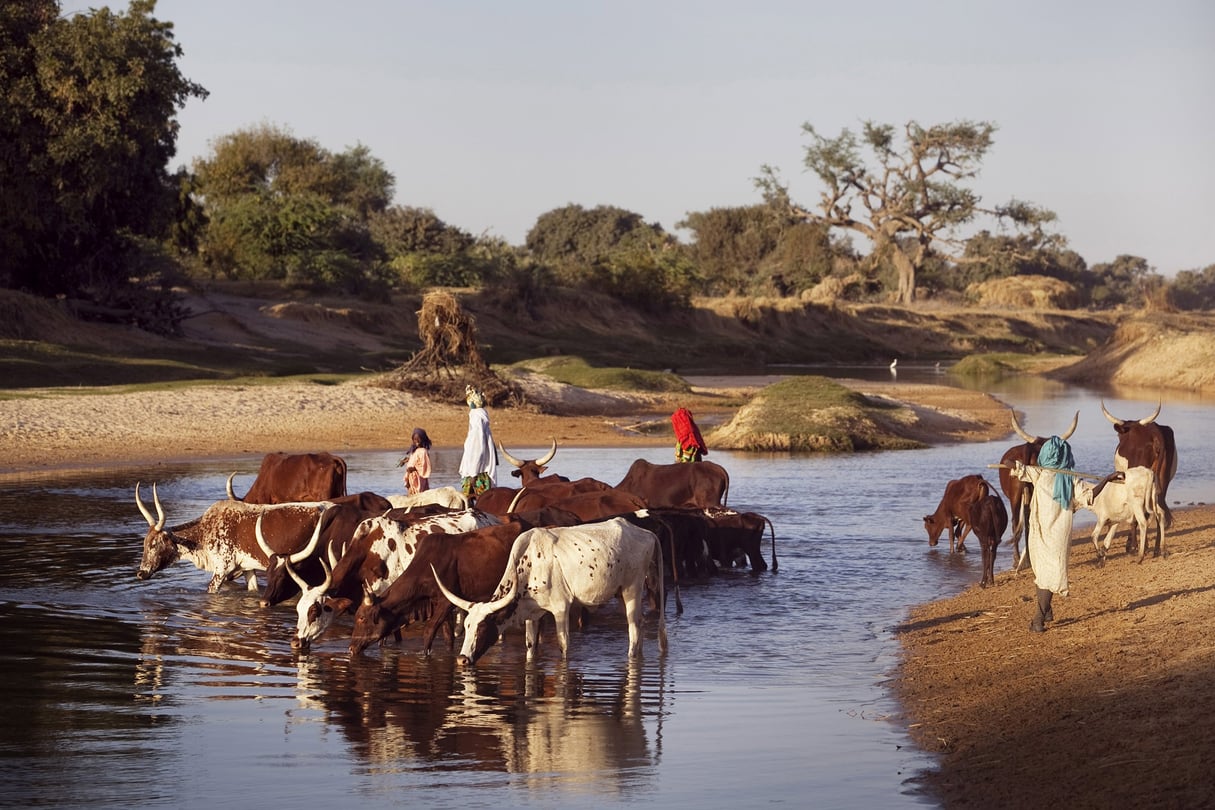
231 494
261 538
308 550
1017 427
159 523
1147 420
510 510
1113 419
461 603
368 596
547 457
1072 429
514 461
143 509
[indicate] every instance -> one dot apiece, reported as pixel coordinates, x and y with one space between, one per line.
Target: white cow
551 570
1136 498
450 497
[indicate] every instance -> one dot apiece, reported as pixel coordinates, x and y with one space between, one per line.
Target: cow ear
341 604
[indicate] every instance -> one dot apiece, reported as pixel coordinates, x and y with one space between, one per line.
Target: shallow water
125 693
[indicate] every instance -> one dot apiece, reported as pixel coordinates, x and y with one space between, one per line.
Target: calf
953 511
1114 502
988 519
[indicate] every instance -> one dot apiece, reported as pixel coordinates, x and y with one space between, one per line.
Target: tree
87 129
910 200
285 208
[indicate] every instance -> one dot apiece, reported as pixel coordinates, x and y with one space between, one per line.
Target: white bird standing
894 366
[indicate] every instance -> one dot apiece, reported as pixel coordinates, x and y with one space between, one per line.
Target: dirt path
1113 706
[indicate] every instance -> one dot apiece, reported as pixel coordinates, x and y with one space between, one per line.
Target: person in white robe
479 464
1050 524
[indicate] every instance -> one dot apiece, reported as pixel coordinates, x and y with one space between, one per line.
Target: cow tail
772 529
657 569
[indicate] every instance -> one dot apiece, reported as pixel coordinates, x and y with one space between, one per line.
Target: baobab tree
908 198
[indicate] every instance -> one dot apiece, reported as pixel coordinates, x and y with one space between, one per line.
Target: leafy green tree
989 255
87 129
908 199
285 208
757 249
1125 280
613 251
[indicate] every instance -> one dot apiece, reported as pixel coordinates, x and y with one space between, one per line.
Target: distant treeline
90 211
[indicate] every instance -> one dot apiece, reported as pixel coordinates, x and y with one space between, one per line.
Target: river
120 693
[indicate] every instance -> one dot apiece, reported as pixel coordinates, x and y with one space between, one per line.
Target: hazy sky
492 113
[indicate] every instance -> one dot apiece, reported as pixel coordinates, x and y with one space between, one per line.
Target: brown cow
733 534
295 477
700 483
1145 443
988 519
1020 492
953 511
529 471
586 505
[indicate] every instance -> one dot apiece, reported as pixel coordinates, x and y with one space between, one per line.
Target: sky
493 113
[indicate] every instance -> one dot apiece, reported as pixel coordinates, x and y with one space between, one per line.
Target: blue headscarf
1058 454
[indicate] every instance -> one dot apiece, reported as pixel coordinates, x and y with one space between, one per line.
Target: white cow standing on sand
1135 498
552 569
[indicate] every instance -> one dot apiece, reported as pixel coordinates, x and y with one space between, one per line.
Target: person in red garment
689 445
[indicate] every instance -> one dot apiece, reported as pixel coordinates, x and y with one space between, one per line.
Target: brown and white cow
988 519
1018 492
295 477
700 483
953 512
553 570
223 540
1146 443
381 549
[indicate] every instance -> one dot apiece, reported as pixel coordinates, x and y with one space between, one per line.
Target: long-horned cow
550 570
1018 492
1147 443
223 540
529 471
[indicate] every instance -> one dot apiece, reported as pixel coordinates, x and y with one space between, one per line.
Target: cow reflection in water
584 733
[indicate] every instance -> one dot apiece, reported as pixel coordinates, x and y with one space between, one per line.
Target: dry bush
449 358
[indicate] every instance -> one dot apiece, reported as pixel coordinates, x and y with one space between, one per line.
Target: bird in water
894 366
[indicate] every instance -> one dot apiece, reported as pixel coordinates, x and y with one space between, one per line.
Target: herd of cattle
1145 461
551 545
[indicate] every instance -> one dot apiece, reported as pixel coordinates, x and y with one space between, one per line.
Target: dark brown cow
530 471
1020 492
953 512
700 483
687 554
223 541
341 520
296 477
988 519
471 563
1145 443
734 534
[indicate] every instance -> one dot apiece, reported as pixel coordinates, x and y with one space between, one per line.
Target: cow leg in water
531 637
561 617
442 617
633 612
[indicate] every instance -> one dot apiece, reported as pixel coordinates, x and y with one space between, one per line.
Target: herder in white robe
1050 524
479 464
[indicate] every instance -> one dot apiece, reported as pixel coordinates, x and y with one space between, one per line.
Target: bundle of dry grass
449 358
